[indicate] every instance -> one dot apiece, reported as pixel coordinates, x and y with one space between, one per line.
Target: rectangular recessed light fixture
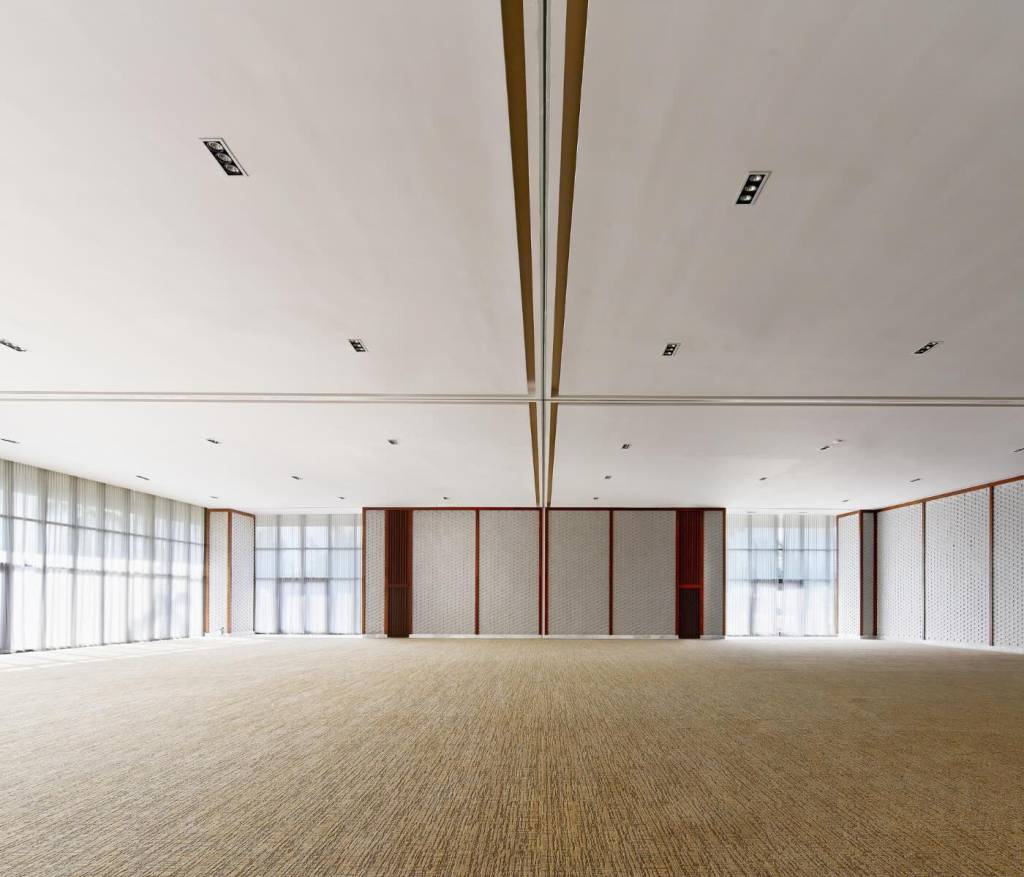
10 345
670 348
357 345
626 446
10 441
912 480
225 157
392 441
213 441
143 477
752 187
296 477
1016 451
926 347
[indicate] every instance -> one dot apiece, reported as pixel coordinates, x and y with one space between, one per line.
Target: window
84 563
308 573
781 575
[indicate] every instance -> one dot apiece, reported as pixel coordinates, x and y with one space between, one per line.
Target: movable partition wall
619 572
947 569
230 572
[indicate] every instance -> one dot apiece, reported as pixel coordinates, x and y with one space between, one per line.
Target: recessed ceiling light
446 498
671 348
10 441
392 441
596 498
824 447
607 477
1016 451
763 478
626 446
214 497
143 477
341 497
225 158
752 187
296 477
912 480
845 500
11 345
213 441
357 345
926 347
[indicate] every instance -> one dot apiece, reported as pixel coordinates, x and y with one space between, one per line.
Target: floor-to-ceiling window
84 563
782 575
308 573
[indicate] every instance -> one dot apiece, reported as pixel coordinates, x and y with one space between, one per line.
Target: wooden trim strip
387 576
515 85
991 566
572 89
860 558
924 569
987 484
847 514
234 512
552 433
874 577
476 586
725 564
535 445
541 568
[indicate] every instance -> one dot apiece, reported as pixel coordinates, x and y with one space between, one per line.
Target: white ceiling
379 205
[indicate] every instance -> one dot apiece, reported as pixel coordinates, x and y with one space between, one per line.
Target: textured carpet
516 757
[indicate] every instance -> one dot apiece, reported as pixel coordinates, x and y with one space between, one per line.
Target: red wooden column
690 565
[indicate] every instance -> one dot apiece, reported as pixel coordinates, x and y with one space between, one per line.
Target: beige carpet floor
311 757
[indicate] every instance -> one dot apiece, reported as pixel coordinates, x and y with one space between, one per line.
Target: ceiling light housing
296 478
10 345
626 446
142 477
914 480
213 441
1016 451
224 157
671 348
929 346
10 441
752 187
357 345
392 441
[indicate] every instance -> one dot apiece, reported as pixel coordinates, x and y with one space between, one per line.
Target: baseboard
1011 650
711 636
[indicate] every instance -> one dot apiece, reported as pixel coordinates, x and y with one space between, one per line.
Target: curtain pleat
782 576
83 563
308 570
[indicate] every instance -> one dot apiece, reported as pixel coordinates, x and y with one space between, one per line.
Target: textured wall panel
867 594
578 572
848 574
1009 565
373 521
509 572
218 570
443 572
243 537
714 573
900 574
957 574
644 573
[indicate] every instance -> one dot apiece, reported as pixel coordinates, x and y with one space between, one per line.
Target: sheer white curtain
781 575
308 573
83 563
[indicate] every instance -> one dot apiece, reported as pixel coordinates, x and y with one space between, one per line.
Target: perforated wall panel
848 546
900 573
443 572
957 576
218 573
373 521
644 570
577 573
243 536
510 572
1008 593
714 573
867 594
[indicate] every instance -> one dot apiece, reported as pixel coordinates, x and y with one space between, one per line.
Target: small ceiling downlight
752 187
10 345
357 345
671 348
225 157
929 346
